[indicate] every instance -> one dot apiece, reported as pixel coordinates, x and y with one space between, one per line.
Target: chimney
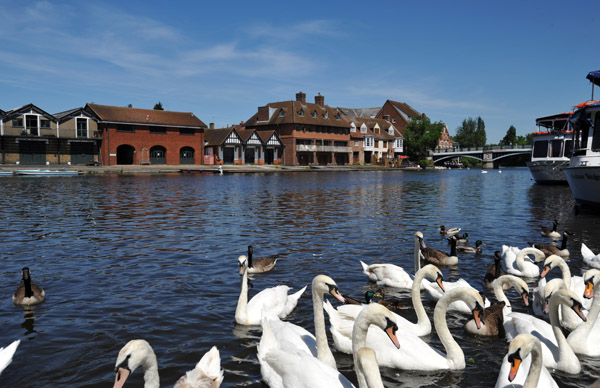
301 97
211 125
319 100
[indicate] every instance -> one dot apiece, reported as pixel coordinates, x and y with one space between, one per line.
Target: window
326 115
17 122
337 116
301 113
353 128
31 124
540 149
596 135
394 120
281 112
158 130
314 114
556 148
340 143
125 128
45 123
187 131
82 127
356 143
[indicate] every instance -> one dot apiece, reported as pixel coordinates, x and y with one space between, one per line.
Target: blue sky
508 62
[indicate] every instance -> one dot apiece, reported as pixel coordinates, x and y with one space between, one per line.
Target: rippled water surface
155 257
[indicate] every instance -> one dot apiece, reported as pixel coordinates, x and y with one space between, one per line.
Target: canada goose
551 249
449 231
28 293
551 232
438 257
136 353
259 264
467 249
494 271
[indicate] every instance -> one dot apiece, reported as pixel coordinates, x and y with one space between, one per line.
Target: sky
507 62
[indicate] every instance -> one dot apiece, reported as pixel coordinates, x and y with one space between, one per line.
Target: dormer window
337 116
281 112
326 115
315 114
301 113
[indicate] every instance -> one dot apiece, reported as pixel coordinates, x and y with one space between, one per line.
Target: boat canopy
557 122
594 76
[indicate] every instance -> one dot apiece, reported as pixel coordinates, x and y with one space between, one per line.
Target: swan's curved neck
565 352
415 292
367 370
241 311
566 273
151 379
499 291
323 352
454 354
417 256
535 370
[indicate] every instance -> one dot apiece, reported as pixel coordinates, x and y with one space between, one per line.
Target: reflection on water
155 257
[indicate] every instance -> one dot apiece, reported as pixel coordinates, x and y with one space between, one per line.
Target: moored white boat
583 172
46 172
551 149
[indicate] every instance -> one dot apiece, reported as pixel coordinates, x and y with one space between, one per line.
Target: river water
155 257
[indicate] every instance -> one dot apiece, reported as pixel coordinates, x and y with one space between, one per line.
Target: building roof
217 137
72 113
295 112
117 114
360 112
384 126
26 109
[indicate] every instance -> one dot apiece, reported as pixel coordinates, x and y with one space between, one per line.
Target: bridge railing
484 148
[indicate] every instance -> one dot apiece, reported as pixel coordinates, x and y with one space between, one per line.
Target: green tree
471 133
130 106
510 137
158 106
420 136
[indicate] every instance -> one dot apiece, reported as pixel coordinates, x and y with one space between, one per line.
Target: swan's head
592 278
551 262
378 315
551 287
418 236
519 284
26 273
469 295
242 263
519 348
537 254
136 353
569 299
323 284
433 272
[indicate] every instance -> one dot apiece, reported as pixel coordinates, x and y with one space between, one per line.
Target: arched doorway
186 155
125 154
158 155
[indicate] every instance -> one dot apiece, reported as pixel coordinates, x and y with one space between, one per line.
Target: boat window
585 132
596 134
556 148
540 149
568 147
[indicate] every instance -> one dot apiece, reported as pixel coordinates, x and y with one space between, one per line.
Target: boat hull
46 172
549 172
585 184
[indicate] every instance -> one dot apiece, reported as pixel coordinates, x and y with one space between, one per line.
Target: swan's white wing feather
206 374
6 354
389 275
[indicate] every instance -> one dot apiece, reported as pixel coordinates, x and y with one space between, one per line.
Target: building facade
312 133
31 136
147 136
240 146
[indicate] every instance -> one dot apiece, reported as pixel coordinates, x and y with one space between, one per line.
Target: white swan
496 315
136 353
533 372
585 338
275 299
589 257
515 264
414 354
28 293
349 312
557 352
392 275
367 370
301 338
576 284
288 367
6 354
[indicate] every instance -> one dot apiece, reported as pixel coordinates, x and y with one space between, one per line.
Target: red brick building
445 141
147 136
397 113
312 133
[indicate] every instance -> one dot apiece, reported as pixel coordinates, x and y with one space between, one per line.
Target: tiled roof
265 135
145 116
360 112
26 109
216 137
295 112
404 108
384 125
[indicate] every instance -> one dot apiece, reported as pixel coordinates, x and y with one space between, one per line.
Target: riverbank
197 169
